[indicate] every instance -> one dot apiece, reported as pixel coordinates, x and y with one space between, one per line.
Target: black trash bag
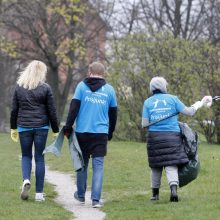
189 172
189 140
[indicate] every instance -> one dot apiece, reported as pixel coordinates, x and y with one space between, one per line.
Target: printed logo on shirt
158 101
95 100
97 93
158 117
160 106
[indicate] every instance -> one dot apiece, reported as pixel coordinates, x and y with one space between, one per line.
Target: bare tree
183 18
55 32
8 74
187 19
212 27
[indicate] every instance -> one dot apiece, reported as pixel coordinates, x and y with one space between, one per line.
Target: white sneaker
39 197
25 189
97 204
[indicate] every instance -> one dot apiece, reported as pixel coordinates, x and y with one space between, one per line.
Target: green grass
11 206
126 186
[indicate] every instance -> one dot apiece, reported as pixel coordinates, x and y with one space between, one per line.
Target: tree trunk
3 115
8 77
60 95
53 81
217 127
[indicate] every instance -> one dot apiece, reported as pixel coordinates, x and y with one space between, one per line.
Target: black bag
189 140
188 172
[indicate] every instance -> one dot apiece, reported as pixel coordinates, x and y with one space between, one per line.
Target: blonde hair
97 68
33 75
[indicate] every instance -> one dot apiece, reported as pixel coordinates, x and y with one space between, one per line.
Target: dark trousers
37 137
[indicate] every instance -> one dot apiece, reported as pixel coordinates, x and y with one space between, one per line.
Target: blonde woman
33 111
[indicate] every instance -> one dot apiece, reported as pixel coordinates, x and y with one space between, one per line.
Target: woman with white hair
33 111
164 140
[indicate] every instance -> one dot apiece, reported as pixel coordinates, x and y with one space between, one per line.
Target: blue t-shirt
160 106
21 129
93 112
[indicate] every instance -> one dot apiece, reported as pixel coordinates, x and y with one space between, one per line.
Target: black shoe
81 200
155 194
173 195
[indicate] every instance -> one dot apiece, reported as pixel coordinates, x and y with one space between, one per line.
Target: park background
136 40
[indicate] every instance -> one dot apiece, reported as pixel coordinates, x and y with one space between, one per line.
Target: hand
14 135
67 131
197 105
207 101
110 136
55 135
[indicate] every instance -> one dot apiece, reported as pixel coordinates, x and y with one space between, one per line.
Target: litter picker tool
216 98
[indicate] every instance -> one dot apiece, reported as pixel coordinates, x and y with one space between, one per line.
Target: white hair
33 75
158 83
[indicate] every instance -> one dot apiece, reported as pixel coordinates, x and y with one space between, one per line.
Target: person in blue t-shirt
164 140
94 106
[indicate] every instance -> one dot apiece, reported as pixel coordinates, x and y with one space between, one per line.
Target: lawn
126 186
11 206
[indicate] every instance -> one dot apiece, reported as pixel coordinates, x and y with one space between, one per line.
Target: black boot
173 195
155 194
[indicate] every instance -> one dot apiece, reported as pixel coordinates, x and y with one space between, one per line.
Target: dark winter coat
165 149
33 108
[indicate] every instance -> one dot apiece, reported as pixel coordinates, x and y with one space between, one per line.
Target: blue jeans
97 178
38 137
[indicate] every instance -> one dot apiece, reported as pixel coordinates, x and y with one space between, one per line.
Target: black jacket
165 149
33 108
